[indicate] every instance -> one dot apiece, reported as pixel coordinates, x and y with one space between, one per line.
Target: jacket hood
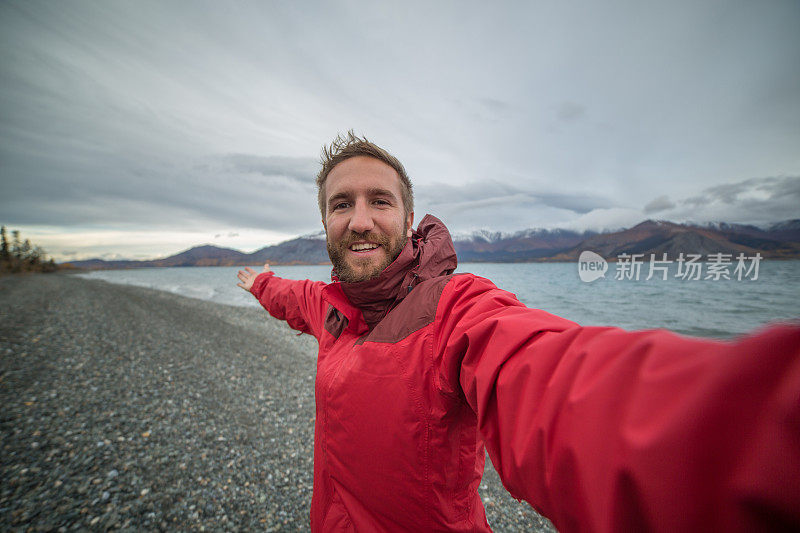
429 253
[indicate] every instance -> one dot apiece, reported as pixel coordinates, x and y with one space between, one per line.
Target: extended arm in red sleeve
299 303
601 429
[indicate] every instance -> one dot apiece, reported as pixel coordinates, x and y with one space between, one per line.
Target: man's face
365 221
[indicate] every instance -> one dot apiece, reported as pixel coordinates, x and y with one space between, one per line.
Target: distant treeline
22 256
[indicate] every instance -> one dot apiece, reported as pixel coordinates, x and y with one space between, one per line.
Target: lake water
706 307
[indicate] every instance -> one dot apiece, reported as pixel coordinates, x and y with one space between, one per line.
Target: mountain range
780 240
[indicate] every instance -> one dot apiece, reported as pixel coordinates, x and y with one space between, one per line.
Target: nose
361 219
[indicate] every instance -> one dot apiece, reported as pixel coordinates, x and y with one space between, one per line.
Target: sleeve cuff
260 283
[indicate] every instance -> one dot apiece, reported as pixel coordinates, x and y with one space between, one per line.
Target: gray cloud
661 203
751 201
302 169
728 193
114 115
496 193
745 191
570 111
494 105
276 194
695 201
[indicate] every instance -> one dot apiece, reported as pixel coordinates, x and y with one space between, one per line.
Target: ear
409 223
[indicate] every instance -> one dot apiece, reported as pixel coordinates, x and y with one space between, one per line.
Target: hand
248 276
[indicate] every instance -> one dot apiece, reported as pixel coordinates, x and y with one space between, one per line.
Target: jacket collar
429 253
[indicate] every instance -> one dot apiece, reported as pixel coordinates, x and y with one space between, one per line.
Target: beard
356 269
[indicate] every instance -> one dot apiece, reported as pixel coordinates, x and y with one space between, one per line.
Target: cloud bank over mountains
757 201
187 122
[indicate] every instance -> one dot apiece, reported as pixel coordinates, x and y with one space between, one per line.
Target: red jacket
598 428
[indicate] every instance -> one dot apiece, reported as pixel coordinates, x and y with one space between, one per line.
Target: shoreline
133 408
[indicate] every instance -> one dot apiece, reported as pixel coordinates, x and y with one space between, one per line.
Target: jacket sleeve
299 303
602 429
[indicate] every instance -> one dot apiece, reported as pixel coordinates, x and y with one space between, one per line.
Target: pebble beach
125 408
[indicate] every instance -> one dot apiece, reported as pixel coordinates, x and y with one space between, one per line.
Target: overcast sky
138 129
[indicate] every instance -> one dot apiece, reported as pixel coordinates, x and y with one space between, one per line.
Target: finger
266 267
250 270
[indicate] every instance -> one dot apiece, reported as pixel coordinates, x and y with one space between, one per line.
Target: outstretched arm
602 429
299 303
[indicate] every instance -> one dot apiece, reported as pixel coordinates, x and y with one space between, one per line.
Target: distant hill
522 246
781 240
659 237
304 250
206 255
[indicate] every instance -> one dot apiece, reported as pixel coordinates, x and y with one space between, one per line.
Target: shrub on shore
19 256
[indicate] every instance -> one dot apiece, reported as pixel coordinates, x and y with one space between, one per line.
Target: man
598 428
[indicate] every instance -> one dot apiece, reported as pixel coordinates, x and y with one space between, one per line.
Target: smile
363 247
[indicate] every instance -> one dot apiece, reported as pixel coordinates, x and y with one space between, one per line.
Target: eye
341 205
382 202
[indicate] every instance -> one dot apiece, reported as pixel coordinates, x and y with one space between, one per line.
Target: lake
719 308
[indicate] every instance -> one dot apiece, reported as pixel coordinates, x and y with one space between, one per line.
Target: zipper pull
411 284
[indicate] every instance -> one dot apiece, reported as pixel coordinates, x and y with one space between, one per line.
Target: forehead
361 174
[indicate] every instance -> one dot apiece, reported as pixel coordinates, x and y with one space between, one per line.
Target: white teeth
359 247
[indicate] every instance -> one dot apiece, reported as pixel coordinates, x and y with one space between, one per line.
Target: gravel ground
127 408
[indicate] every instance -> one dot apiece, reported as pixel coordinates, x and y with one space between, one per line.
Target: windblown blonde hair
350 145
